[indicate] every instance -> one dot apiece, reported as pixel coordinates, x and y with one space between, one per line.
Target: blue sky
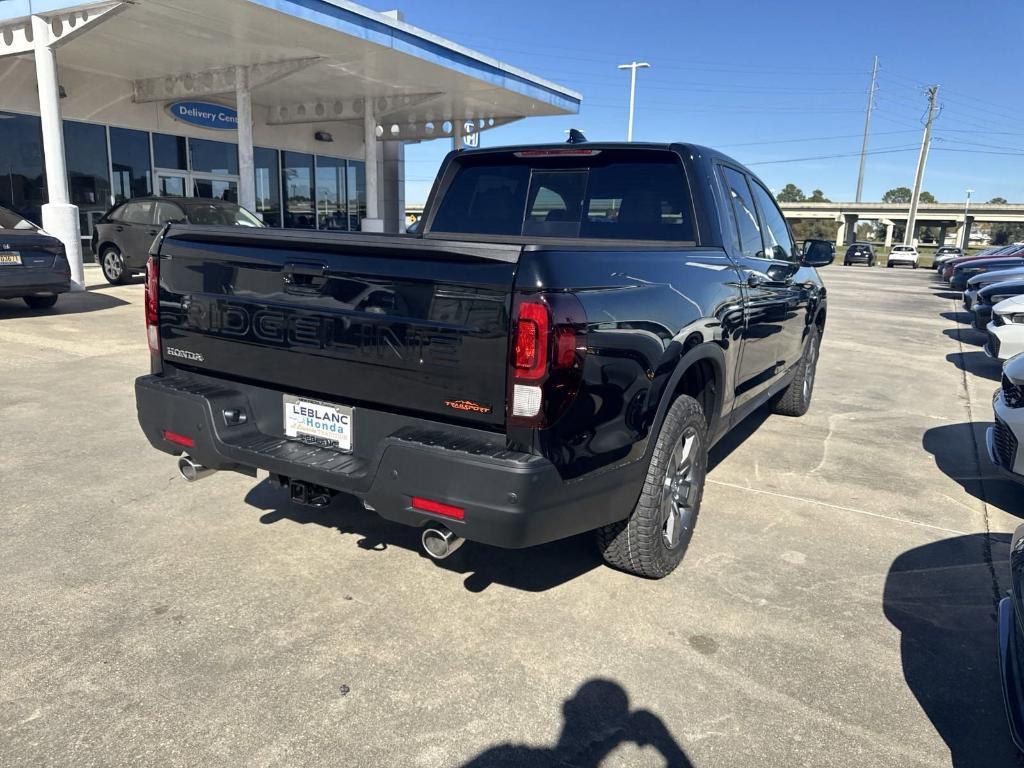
768 82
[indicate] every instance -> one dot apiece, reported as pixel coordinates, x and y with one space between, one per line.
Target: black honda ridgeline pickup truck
554 352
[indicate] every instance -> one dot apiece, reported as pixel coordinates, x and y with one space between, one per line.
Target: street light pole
633 66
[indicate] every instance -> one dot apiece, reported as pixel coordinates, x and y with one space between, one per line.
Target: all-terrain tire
796 397
645 543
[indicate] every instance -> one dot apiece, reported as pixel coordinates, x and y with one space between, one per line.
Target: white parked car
1003 438
1006 329
905 255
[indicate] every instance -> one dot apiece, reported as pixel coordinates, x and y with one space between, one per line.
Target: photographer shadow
597 720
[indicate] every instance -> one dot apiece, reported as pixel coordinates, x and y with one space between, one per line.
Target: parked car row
899 255
992 283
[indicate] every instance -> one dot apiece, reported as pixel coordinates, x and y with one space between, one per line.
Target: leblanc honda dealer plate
318 423
11 258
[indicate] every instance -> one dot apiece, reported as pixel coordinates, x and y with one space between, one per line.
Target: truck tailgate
399 322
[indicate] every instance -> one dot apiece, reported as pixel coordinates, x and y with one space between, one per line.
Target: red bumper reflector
174 437
426 505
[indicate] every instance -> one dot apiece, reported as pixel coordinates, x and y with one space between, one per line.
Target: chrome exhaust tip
192 471
438 542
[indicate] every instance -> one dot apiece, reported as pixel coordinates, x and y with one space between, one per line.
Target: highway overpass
944 216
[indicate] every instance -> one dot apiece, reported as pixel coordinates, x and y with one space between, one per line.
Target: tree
791 193
813 229
817 196
1006 233
928 197
897 195
998 201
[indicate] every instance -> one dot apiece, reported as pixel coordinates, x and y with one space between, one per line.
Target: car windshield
221 213
11 220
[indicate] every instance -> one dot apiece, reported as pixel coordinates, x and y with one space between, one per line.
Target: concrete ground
836 606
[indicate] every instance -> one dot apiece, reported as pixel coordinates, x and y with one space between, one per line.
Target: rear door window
138 213
603 194
745 214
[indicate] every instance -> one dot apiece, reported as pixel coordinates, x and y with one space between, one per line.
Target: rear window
903 248
11 220
606 194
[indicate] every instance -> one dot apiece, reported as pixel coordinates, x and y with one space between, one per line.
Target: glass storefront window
356 194
85 151
297 178
170 151
129 159
268 186
330 193
214 156
22 179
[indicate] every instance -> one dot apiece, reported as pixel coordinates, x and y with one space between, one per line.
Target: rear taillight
153 304
547 348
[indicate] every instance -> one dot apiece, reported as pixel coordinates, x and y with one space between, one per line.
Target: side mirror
818 253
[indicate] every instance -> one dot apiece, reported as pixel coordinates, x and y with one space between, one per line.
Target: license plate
10 258
318 423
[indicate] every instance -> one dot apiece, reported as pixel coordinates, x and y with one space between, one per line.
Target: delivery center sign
204 114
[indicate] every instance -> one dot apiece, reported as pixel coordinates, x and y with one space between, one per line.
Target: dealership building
297 109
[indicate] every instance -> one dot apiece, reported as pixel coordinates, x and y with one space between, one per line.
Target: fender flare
710 351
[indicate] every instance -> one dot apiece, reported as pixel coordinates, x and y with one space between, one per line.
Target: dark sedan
991 295
33 265
859 253
968 269
121 239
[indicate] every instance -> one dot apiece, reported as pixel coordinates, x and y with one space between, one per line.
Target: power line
885 151
811 138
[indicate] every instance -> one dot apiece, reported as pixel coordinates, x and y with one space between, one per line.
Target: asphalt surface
836 607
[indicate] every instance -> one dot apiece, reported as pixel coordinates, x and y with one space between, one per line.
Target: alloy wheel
113 267
681 488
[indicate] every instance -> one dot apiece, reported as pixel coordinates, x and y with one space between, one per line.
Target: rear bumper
16 282
511 499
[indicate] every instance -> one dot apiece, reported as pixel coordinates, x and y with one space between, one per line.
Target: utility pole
867 126
922 158
633 66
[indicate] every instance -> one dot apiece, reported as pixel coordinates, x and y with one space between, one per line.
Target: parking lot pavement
836 606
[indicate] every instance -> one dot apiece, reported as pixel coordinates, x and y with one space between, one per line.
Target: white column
457 127
60 218
372 222
889 227
246 167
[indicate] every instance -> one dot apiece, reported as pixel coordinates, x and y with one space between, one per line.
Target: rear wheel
796 397
651 542
890 265
40 302
112 264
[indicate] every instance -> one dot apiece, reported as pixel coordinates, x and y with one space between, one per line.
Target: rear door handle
119 228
